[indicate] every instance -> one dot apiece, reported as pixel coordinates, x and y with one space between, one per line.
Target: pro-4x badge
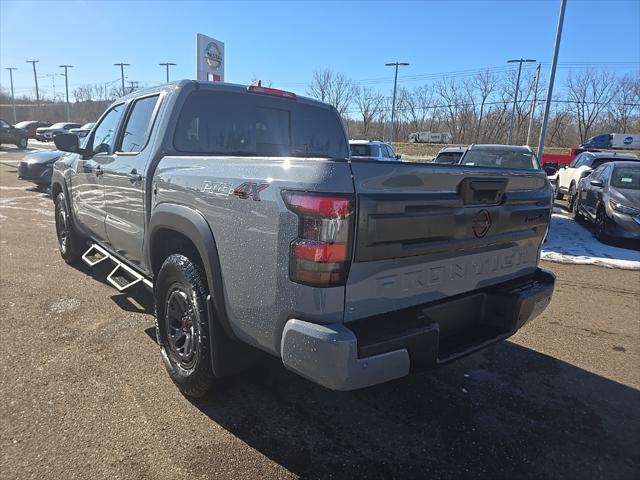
250 190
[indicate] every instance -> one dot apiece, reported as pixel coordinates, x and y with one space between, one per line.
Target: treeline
477 109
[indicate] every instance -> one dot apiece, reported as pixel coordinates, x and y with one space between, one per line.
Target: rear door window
245 124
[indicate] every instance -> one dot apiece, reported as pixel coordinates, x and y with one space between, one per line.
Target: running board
122 276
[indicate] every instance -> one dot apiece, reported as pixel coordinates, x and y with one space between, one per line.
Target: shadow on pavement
506 412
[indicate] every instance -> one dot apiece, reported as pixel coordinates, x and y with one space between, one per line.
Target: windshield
363 150
626 177
501 159
23 124
58 125
229 123
448 157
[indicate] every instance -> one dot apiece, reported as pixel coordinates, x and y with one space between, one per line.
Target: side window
387 151
575 161
392 154
105 133
597 173
138 126
605 172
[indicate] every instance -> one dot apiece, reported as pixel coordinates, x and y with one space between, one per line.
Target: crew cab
568 177
243 211
12 134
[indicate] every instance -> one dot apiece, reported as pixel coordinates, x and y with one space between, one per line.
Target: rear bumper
378 349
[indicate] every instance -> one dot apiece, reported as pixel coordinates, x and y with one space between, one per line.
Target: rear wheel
69 242
558 194
182 325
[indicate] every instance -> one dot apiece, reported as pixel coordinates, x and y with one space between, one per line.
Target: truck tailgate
425 232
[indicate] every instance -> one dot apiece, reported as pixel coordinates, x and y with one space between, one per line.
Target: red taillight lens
321 254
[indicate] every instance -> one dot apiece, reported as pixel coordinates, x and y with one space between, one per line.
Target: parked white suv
581 166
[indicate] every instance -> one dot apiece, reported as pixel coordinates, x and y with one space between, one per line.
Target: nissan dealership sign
209 59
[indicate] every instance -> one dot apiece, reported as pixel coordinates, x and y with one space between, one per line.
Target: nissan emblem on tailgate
481 223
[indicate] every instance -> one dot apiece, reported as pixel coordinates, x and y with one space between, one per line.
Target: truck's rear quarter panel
253 237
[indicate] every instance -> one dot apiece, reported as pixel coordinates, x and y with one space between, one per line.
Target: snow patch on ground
570 242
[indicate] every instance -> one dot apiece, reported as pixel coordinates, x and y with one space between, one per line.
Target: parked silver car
372 150
450 155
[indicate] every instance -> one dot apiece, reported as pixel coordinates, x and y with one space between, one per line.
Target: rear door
124 180
426 232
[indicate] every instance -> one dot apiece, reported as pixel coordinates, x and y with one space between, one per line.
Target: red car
30 127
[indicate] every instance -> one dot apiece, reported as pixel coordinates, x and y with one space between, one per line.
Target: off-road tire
70 243
181 281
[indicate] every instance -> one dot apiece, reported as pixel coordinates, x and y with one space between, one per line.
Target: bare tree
626 105
333 88
589 94
369 105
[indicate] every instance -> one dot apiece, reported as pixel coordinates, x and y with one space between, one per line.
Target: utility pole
533 104
519 61
13 98
66 86
393 102
167 64
122 65
35 77
552 77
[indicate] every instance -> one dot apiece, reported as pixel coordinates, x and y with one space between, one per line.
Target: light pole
35 77
393 102
519 61
122 65
533 104
66 86
552 77
167 64
13 98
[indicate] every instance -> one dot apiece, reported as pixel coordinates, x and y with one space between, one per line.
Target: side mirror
67 142
398 156
596 183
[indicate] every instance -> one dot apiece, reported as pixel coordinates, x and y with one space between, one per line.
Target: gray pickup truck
240 208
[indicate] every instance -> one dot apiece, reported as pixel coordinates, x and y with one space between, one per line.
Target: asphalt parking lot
85 394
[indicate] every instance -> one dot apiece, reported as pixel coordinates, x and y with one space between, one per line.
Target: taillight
321 254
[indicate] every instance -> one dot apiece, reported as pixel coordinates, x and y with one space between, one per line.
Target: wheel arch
171 222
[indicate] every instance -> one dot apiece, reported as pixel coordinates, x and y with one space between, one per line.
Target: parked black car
37 166
10 134
610 198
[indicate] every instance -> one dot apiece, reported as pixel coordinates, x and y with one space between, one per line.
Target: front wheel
577 215
22 143
182 325
69 242
601 225
571 201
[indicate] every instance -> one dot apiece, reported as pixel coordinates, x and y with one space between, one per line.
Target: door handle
134 176
99 171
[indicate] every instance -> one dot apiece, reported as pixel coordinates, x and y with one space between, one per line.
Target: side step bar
122 276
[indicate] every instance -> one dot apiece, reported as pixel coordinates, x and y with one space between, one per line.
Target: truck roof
172 87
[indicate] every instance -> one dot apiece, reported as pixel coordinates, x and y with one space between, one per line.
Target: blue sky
284 42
